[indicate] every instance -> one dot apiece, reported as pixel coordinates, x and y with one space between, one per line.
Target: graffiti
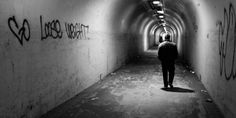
22 32
76 31
50 29
227 43
195 26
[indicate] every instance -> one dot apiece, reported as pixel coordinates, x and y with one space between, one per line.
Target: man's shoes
165 87
171 86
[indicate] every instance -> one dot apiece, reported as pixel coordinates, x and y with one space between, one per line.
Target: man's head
167 37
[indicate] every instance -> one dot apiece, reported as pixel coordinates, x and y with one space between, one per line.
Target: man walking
168 53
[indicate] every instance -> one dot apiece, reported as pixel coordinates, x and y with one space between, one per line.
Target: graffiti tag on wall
76 31
49 29
20 32
227 43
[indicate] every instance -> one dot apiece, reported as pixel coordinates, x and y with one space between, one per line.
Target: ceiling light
160 12
161 16
156 2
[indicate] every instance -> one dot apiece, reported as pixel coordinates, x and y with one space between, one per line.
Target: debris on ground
192 72
94 98
209 100
126 71
128 78
204 91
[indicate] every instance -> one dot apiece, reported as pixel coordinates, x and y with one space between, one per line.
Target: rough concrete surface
136 91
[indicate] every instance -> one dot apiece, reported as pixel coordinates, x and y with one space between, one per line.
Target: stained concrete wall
212 53
50 50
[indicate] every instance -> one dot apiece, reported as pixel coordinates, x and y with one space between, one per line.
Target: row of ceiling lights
158 7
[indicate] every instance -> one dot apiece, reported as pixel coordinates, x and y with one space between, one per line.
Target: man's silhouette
167 53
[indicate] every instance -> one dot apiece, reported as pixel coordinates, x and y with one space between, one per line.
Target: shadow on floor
178 89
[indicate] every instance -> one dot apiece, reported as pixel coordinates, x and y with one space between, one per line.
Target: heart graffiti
20 33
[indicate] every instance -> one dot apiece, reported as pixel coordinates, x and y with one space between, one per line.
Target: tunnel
54 50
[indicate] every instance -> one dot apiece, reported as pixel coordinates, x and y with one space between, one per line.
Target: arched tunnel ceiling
177 13
133 14
138 17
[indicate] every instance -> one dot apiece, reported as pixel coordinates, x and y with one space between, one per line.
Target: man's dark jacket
167 51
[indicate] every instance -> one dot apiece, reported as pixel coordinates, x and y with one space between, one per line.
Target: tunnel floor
136 91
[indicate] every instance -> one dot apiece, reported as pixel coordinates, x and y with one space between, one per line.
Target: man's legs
164 71
171 74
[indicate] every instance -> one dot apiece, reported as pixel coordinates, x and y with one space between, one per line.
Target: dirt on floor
136 91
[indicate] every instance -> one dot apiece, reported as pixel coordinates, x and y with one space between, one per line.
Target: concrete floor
135 91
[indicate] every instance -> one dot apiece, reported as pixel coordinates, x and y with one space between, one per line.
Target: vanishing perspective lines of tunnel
52 50
166 21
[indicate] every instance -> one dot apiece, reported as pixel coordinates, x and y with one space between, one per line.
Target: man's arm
159 53
176 52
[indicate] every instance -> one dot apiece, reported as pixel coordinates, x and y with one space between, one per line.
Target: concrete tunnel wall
209 47
39 71
206 41
50 50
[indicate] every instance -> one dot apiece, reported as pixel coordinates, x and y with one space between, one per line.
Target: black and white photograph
117 58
